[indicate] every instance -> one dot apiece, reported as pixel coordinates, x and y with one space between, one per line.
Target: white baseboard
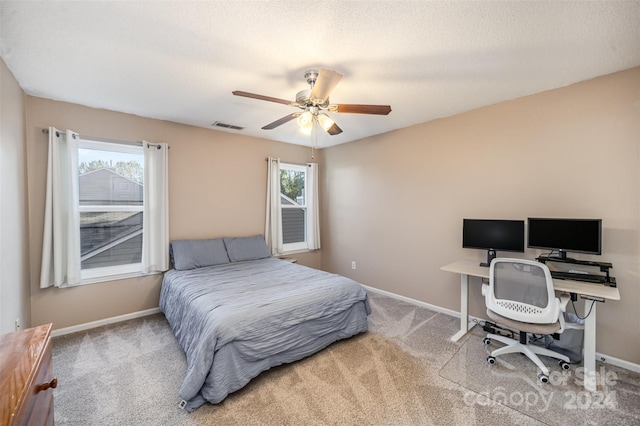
618 362
627 365
106 321
420 303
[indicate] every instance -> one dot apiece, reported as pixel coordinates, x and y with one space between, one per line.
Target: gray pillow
246 248
191 254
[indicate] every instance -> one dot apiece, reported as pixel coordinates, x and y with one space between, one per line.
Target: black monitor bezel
563 250
486 247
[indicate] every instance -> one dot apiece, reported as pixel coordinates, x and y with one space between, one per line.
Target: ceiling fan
314 101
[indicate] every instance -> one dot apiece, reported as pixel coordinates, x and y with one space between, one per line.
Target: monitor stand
561 257
491 254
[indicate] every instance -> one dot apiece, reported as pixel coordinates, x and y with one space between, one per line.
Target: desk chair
520 296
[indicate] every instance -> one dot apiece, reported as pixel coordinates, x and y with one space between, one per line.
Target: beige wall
394 203
14 261
217 187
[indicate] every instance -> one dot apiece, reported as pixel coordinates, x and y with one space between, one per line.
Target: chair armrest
485 289
562 305
564 300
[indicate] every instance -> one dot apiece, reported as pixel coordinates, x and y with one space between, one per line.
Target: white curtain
61 241
273 224
313 207
155 245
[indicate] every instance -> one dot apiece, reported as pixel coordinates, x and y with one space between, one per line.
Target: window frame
301 246
113 272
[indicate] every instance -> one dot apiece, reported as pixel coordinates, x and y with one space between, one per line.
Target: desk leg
589 357
465 325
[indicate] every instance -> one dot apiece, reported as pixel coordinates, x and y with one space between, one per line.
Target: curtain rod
289 162
94 138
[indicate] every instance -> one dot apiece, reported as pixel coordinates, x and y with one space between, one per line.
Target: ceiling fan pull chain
315 137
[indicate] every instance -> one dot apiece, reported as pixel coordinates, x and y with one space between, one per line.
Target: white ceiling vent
226 126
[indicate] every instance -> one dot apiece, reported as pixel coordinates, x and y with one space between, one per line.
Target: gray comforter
236 320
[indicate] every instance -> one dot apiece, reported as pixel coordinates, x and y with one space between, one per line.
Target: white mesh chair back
522 290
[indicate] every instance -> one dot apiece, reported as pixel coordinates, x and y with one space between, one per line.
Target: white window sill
114 277
297 251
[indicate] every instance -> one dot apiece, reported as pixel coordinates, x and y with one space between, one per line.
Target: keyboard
590 278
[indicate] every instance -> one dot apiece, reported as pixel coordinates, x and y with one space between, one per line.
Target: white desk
467 268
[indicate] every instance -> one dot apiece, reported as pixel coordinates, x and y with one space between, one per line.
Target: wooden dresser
26 377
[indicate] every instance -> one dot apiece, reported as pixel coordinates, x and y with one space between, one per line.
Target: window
106 210
292 221
111 205
293 201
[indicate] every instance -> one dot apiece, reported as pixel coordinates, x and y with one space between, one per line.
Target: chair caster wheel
564 365
486 341
491 359
543 378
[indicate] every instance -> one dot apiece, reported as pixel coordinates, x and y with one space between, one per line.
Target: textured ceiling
180 61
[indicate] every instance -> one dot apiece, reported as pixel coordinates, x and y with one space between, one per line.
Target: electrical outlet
17 324
353 264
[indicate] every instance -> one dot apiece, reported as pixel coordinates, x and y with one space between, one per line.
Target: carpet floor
403 371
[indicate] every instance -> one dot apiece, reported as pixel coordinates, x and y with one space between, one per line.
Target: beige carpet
404 371
512 381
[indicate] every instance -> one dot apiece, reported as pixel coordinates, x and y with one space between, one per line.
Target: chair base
531 351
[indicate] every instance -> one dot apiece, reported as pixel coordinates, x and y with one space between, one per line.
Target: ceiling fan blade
261 97
325 83
362 109
334 130
282 120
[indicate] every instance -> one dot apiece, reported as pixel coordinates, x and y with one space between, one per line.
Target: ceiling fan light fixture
325 121
314 100
305 120
306 130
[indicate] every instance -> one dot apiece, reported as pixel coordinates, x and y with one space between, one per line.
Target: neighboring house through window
111 208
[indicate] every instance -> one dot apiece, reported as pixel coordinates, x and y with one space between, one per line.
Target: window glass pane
110 236
293 225
110 178
292 187
292 199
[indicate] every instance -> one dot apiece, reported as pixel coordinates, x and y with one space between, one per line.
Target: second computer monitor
493 235
566 235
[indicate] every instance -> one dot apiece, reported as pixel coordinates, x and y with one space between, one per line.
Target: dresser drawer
39 408
26 379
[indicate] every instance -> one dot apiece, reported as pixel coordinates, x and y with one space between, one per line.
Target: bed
236 312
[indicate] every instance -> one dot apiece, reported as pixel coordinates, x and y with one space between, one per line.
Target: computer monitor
493 235
565 235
